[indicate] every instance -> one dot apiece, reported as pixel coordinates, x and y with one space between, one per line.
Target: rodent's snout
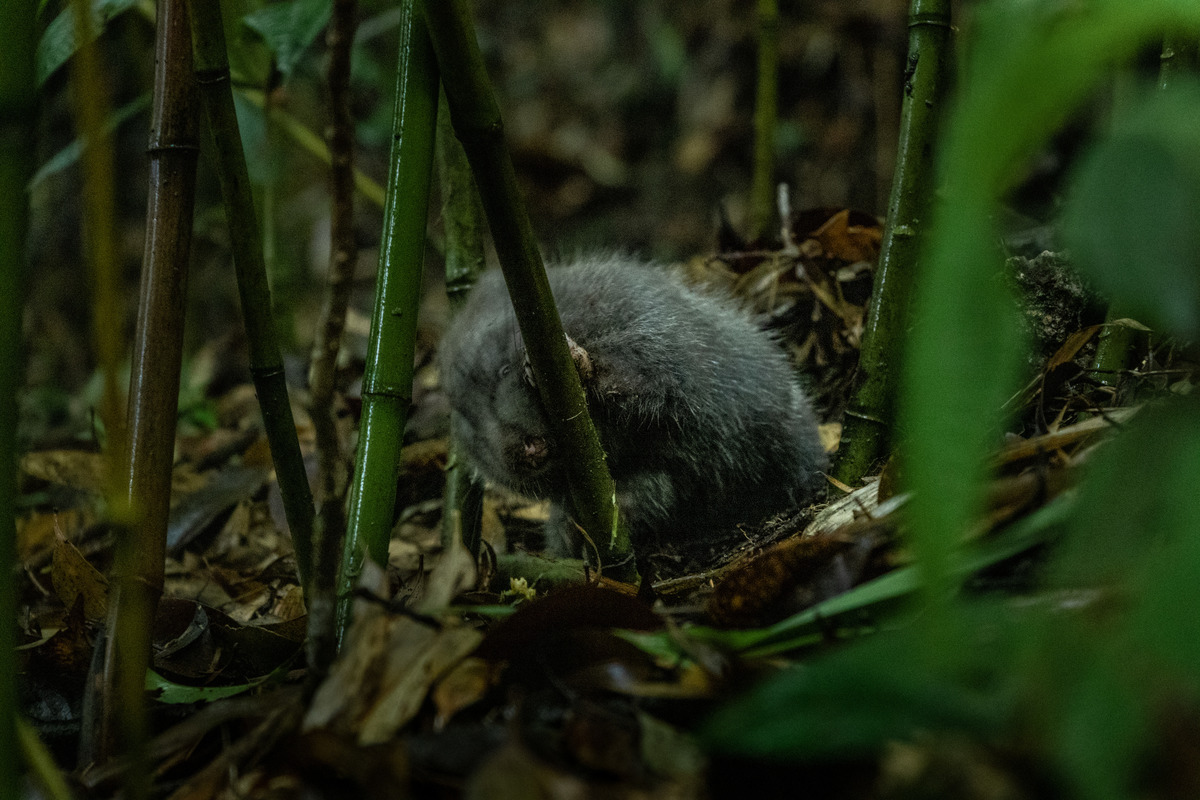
535 452
527 454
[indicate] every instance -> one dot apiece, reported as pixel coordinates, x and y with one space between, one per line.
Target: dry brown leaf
841 240
831 436
454 573
417 656
465 684
36 533
355 676
1071 346
74 468
74 577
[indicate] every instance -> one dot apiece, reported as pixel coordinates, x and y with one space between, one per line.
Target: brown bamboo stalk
154 389
334 477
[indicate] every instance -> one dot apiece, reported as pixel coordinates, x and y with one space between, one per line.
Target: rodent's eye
504 370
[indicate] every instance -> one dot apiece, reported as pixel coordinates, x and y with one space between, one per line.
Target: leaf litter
443 685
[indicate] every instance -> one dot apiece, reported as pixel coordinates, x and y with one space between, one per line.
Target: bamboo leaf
70 154
290 28
59 42
1133 216
171 693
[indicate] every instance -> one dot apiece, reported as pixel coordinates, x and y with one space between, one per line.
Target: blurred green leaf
250 58
1030 65
70 154
1136 533
1133 216
58 42
1139 504
670 52
855 700
289 28
1101 671
1101 726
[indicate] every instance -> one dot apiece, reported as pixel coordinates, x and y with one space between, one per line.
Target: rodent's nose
535 451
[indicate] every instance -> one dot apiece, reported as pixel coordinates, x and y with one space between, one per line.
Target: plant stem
266 362
766 113
463 219
154 386
477 123
90 104
18 113
387 382
867 430
322 641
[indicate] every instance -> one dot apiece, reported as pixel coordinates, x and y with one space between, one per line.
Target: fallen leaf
465 684
77 469
417 656
74 577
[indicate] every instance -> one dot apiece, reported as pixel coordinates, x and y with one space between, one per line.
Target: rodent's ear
583 365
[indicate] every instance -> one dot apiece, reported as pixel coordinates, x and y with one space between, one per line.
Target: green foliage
70 155
1084 679
58 43
289 28
171 693
1030 64
851 702
1088 687
1136 202
1098 683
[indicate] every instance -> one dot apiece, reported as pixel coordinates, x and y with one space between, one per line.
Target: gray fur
698 410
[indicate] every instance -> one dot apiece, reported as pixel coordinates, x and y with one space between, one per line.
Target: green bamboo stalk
266 362
331 524
766 114
18 112
867 430
477 123
154 389
1112 351
462 216
387 383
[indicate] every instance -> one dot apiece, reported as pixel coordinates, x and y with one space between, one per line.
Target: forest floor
473 679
